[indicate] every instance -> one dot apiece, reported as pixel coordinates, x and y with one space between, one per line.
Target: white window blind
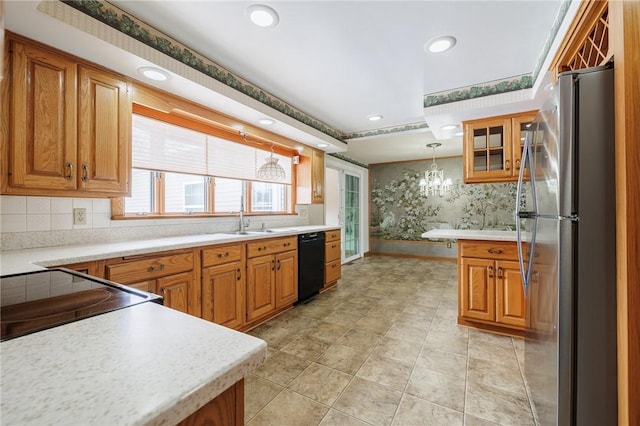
161 146
164 147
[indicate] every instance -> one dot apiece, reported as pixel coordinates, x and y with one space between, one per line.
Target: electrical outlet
79 216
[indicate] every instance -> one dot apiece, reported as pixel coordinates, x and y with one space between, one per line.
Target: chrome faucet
243 224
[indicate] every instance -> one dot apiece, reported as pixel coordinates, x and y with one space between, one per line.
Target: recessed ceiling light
440 44
449 127
263 16
266 121
375 117
153 73
323 145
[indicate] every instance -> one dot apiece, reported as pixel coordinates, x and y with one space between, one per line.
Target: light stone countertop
142 365
17 261
468 234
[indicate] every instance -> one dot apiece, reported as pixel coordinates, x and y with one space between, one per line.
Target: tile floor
383 348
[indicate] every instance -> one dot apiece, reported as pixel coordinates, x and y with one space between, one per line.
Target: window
181 171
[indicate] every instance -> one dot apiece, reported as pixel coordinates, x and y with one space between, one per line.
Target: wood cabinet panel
42 147
286 278
332 251
145 269
477 294
261 296
510 303
104 132
149 286
271 246
227 409
223 254
223 294
310 178
332 272
489 249
333 235
175 290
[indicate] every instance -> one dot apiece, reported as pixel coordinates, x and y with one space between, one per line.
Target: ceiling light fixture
323 145
440 44
266 121
434 182
153 73
449 127
459 133
263 16
271 170
375 117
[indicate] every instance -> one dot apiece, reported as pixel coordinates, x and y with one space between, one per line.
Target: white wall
332 197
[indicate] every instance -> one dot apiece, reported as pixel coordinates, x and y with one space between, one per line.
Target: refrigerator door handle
526 156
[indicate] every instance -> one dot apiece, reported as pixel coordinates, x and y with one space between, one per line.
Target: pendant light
434 182
271 170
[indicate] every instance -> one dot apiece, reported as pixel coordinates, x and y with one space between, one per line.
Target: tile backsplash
30 222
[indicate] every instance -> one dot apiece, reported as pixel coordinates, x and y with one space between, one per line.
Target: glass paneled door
351 217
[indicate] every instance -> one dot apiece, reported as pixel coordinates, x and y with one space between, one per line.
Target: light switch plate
80 216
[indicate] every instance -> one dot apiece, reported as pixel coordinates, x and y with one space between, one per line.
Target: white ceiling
341 61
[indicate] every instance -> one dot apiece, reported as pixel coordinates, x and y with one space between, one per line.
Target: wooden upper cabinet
104 132
493 147
69 125
42 139
310 178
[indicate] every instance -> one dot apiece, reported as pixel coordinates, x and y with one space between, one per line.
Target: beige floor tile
290 409
328 331
373 324
470 420
439 388
291 321
424 312
415 411
282 368
399 350
258 393
276 337
443 362
359 339
447 342
497 405
415 321
384 312
343 318
502 352
336 418
307 347
343 358
369 401
404 331
386 371
320 383
503 376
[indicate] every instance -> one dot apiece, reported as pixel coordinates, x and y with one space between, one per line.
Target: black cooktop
35 301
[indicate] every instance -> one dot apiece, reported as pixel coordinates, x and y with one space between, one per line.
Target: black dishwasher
310 264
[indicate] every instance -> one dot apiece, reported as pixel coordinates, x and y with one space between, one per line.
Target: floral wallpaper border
386 131
493 88
564 8
348 160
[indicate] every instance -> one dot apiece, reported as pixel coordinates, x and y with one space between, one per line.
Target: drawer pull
333 246
495 251
162 266
500 276
225 254
490 271
150 269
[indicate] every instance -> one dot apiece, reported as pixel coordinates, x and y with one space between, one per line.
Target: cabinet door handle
518 164
495 251
238 275
535 277
273 265
85 172
69 166
500 276
507 165
278 264
490 271
333 246
162 289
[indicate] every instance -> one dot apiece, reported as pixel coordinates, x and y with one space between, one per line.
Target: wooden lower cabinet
223 294
286 278
175 290
490 287
332 258
227 409
261 297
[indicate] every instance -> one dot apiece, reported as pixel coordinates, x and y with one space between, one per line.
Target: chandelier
433 183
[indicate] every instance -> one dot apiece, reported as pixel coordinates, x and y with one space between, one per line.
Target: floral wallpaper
399 212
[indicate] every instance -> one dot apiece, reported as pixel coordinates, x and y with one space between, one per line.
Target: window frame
201 124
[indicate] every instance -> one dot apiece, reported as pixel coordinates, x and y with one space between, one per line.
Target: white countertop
142 365
469 234
17 261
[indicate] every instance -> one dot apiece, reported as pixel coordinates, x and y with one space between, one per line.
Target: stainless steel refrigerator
567 253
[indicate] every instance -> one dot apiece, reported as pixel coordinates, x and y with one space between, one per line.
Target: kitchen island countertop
142 365
471 234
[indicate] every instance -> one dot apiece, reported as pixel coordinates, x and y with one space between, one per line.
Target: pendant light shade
271 170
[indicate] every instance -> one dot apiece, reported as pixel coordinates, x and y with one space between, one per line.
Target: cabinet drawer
332 271
332 251
272 245
149 286
145 269
220 255
333 235
489 250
